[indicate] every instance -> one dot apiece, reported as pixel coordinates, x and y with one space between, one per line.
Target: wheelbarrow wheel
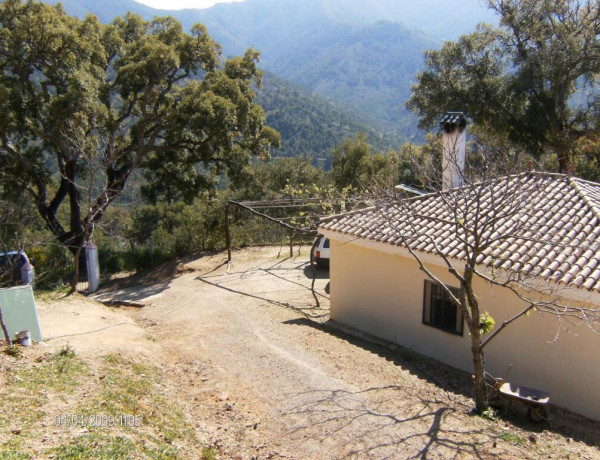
538 414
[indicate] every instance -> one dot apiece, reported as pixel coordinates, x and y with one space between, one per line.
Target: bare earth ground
260 372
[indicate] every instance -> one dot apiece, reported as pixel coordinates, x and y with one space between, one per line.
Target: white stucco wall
382 293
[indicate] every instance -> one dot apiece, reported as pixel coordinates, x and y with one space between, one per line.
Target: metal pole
291 244
4 329
227 234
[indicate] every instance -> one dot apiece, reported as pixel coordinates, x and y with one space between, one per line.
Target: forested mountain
310 125
359 54
372 69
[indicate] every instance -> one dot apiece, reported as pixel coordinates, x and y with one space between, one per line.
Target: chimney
454 126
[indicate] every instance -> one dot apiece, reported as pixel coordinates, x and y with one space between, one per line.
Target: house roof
540 224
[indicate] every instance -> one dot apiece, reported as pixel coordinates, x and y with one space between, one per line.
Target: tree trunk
4 329
80 229
481 400
79 263
564 163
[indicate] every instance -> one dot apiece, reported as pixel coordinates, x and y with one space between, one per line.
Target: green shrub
53 264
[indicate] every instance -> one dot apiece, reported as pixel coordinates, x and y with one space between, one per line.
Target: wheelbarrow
536 400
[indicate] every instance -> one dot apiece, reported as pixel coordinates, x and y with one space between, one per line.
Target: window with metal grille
439 311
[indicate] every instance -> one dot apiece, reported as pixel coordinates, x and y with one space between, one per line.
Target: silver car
320 253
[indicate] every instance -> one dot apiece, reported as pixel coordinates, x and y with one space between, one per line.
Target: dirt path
263 375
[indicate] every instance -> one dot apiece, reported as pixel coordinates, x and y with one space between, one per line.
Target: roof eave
570 292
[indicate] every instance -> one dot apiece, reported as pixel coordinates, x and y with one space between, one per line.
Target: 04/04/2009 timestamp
97 420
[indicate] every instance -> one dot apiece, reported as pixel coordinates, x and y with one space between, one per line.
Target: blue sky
180 4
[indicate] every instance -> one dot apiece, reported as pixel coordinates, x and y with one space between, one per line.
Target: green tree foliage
420 166
322 199
176 229
272 177
586 163
22 229
520 79
17 218
355 166
150 234
166 226
351 165
84 99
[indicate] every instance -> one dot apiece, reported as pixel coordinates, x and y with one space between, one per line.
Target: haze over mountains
361 55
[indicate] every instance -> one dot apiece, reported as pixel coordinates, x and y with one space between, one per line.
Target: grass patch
126 412
105 447
28 386
11 450
209 453
133 390
123 387
512 438
48 294
14 351
60 372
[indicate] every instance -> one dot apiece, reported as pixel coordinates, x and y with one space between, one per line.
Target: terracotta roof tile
545 224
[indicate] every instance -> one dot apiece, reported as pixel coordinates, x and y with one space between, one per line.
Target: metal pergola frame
260 209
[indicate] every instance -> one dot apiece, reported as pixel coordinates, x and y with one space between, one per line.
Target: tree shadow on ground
129 293
273 273
276 270
307 311
140 286
456 386
372 423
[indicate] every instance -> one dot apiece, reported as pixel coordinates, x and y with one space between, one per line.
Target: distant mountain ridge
246 23
360 54
107 10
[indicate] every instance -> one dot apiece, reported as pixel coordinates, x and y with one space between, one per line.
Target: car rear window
326 243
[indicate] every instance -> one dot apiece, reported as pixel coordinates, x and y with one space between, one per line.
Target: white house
543 231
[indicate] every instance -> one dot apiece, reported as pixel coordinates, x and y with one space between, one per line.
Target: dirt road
262 373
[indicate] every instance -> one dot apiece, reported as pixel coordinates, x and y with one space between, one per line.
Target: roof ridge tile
586 198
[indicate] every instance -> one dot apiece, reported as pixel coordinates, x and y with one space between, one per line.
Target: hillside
258 22
310 124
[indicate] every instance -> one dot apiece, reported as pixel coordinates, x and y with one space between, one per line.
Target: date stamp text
97 420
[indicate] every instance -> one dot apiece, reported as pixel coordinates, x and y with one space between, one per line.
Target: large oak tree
532 80
85 104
